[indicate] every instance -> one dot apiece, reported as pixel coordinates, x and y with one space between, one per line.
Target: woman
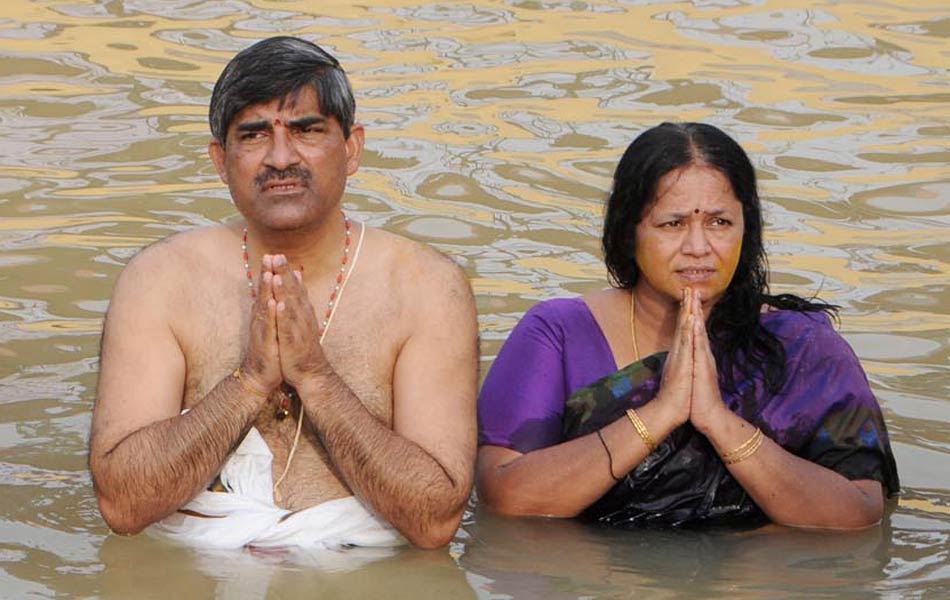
735 406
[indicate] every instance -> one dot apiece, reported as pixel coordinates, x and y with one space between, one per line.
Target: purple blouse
556 348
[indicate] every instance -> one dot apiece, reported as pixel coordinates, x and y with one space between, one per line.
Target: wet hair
275 68
742 344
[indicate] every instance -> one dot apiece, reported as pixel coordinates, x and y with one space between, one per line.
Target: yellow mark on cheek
732 261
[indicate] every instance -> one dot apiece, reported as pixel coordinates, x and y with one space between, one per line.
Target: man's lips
282 185
290 179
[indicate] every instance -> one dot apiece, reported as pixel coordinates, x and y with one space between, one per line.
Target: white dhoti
247 516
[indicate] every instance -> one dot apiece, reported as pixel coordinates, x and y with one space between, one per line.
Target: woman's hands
706 405
676 384
689 388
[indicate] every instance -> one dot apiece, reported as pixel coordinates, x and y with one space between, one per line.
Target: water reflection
493 129
554 559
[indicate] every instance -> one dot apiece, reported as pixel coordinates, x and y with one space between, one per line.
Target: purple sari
555 379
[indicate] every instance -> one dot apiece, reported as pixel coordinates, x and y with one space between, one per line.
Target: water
493 128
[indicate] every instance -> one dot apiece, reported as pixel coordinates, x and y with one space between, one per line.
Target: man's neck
316 250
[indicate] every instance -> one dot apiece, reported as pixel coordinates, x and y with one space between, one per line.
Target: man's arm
418 475
147 460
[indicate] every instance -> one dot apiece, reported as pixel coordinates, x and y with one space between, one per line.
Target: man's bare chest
215 345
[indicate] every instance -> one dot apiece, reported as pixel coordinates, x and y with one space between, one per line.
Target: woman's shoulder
557 320
785 321
559 309
813 332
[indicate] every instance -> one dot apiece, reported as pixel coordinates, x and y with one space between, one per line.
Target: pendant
285 396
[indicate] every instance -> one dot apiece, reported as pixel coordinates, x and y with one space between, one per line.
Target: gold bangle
742 447
747 449
250 387
641 429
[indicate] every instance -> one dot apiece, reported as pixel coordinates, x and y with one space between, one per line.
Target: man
245 327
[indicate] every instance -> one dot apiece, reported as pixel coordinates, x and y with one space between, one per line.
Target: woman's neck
654 317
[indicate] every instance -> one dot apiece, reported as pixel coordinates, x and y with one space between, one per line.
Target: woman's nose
696 242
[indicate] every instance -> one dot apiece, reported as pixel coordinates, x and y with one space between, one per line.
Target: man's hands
298 331
284 338
261 366
689 388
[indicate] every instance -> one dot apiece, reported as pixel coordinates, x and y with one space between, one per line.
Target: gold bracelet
742 447
248 385
747 449
641 429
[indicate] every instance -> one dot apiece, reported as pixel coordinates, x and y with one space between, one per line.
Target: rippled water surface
493 127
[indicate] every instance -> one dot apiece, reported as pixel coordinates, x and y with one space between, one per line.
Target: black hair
275 68
742 344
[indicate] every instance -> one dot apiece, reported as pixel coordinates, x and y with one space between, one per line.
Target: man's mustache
293 172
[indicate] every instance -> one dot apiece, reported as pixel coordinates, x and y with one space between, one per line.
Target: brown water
493 127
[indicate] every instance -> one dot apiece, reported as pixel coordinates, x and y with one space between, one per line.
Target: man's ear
354 148
216 152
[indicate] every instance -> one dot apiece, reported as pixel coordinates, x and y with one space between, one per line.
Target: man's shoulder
171 251
416 262
175 258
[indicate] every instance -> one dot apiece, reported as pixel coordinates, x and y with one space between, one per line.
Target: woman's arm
791 490
563 480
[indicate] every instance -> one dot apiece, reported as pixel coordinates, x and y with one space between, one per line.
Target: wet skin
690 237
286 163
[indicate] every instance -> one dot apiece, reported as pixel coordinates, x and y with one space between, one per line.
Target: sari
824 412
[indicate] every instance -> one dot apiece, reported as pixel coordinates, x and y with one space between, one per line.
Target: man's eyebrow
260 125
304 122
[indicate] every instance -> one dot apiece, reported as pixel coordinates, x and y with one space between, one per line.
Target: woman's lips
696 274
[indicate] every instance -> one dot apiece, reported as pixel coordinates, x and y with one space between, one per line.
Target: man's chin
284 220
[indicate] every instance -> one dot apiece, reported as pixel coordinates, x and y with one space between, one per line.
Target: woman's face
691 236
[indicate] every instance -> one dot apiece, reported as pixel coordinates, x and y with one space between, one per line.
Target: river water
493 127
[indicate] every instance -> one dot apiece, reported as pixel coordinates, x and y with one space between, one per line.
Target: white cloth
247 516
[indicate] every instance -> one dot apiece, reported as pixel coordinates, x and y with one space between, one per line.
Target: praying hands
284 341
689 386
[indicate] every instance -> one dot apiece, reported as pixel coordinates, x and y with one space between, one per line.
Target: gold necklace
633 326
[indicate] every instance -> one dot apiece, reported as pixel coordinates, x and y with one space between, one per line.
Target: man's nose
282 152
696 242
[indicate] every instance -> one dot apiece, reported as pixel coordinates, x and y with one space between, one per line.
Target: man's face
285 162
691 236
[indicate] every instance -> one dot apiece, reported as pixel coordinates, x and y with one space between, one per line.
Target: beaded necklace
286 393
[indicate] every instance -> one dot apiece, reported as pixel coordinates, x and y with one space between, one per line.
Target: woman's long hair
740 341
